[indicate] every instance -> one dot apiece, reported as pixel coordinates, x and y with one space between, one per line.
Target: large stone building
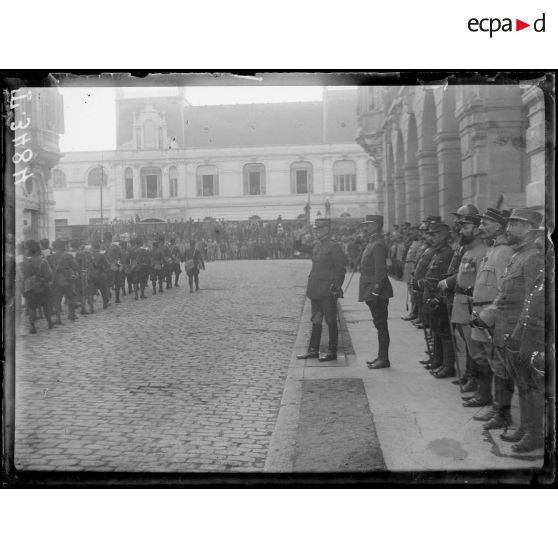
177 161
438 147
38 122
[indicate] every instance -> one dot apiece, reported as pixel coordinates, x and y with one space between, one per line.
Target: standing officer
324 287
83 261
140 265
461 285
489 277
375 288
518 283
176 256
433 303
408 270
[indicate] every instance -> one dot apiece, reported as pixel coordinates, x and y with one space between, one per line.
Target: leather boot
483 396
310 353
383 345
471 385
518 434
488 415
534 436
154 289
315 337
447 370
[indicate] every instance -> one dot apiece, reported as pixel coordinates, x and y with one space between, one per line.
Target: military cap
423 226
500 216
433 219
526 215
437 227
322 222
378 219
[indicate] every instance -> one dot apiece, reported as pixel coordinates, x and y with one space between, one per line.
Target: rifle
350 279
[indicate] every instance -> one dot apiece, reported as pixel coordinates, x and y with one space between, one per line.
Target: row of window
207 179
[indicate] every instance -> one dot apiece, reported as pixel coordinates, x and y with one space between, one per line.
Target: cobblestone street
179 382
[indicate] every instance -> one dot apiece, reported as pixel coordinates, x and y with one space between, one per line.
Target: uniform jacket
328 267
374 279
196 256
411 260
465 280
37 276
64 268
437 268
423 262
99 265
518 281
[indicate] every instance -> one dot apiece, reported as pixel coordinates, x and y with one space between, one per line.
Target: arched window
254 179
129 180
58 178
344 176
173 182
301 177
97 176
151 184
207 179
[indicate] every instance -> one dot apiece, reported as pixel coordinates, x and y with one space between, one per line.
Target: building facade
438 147
176 161
37 125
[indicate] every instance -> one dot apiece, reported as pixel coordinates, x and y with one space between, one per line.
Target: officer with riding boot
324 286
518 283
433 303
461 285
492 231
375 287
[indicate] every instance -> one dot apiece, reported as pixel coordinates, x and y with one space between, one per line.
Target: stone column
448 148
412 200
533 100
428 183
327 175
399 196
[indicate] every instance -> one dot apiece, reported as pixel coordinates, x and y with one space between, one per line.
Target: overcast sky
90 116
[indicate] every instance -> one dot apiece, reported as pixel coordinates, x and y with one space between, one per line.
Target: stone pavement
179 382
419 420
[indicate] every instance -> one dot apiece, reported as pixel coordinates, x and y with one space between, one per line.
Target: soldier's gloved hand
488 315
336 290
443 285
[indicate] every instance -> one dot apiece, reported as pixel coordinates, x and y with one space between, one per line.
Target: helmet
467 214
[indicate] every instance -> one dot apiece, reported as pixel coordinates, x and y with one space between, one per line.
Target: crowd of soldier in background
76 272
477 292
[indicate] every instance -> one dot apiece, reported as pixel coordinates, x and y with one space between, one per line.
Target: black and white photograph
272 279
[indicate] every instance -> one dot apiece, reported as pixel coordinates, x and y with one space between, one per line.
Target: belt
482 303
459 290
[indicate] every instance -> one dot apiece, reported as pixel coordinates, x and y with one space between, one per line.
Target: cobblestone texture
180 382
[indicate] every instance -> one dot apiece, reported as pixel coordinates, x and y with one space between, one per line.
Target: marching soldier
193 262
489 277
140 265
157 266
324 287
99 271
36 276
461 285
114 257
375 288
432 302
518 284
64 274
127 249
83 259
176 256
168 261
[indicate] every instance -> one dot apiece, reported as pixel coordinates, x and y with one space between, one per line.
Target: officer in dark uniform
324 286
375 288
99 270
518 285
432 300
167 261
64 274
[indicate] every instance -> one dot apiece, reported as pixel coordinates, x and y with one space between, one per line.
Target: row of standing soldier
481 305
77 276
